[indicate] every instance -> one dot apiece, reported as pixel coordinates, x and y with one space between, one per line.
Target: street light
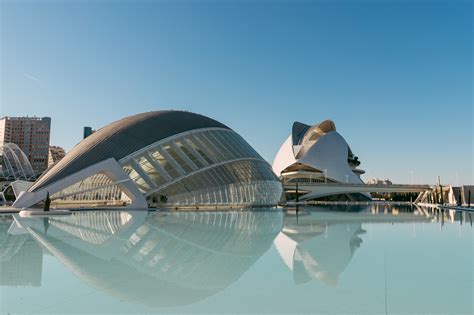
347 179
325 176
411 172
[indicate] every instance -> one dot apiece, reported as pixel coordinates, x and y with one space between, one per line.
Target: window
168 167
196 145
191 156
138 180
156 177
175 156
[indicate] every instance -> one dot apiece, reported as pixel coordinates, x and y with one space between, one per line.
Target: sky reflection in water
361 260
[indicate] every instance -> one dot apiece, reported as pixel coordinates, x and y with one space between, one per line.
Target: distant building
317 154
31 134
55 155
376 181
461 195
87 132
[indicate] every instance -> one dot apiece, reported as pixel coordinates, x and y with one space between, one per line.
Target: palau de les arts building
317 154
181 159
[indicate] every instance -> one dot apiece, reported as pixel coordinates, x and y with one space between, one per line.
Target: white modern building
317 154
14 164
161 158
16 172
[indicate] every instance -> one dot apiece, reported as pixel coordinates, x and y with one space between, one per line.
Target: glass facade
205 167
97 189
237 183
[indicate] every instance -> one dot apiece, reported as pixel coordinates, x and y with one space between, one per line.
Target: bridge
316 190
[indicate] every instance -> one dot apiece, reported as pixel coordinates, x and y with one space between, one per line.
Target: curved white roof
320 148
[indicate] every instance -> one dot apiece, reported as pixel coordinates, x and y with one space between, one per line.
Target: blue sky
395 76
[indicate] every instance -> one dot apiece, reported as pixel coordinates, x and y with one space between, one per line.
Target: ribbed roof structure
123 137
14 164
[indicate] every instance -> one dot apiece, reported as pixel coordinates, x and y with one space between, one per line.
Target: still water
344 260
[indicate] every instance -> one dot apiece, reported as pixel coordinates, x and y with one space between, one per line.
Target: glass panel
243 145
151 171
197 147
216 153
221 136
218 145
100 190
168 167
144 164
226 177
187 169
139 181
236 147
191 156
242 182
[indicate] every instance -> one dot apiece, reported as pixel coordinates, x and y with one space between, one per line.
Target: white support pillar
108 167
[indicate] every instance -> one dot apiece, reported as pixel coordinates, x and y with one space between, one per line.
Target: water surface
344 260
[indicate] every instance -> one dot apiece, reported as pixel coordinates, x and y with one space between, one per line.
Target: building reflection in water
318 244
21 258
178 258
314 248
160 258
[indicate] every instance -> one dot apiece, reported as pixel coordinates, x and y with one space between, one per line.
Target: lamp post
411 172
347 179
469 199
325 176
297 197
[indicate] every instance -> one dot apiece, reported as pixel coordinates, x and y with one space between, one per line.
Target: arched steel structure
14 164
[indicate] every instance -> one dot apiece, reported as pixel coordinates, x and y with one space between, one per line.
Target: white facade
14 164
316 154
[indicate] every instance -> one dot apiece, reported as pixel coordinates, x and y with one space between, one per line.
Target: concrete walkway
7 210
446 207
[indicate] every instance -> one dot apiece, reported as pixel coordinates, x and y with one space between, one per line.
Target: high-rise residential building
55 154
31 134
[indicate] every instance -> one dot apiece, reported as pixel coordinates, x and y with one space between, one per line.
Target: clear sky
395 76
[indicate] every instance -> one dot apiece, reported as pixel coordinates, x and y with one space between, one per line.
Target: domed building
160 158
315 155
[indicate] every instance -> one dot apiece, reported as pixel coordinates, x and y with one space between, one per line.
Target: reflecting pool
337 260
